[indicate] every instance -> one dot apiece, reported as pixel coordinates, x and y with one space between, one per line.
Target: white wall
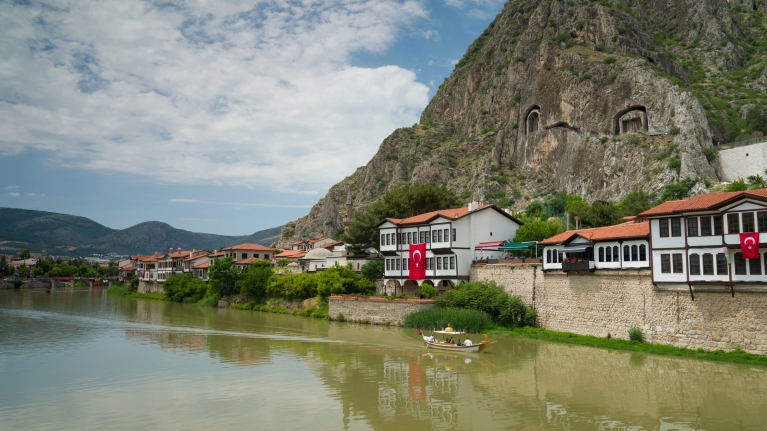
740 162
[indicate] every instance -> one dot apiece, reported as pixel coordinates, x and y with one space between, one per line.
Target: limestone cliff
595 98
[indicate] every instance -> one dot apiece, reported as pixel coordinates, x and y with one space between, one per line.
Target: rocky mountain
598 98
73 235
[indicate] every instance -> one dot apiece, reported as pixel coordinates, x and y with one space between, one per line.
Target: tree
401 202
536 230
184 288
3 265
677 190
134 283
635 203
24 255
255 279
738 185
600 214
224 280
373 270
534 209
23 271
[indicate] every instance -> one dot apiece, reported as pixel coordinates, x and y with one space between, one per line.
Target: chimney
178 249
473 206
171 250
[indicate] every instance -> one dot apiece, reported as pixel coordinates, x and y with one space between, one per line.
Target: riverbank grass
128 292
458 318
736 356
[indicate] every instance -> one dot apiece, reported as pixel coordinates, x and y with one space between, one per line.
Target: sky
223 117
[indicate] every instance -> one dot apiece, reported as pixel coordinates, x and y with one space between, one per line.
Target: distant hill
74 235
50 228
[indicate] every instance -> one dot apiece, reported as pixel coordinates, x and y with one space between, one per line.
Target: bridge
53 282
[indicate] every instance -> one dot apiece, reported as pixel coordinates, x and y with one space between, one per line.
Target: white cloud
31 194
10 187
14 194
430 35
231 93
246 204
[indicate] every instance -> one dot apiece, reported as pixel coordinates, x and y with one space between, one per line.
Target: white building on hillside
696 243
451 237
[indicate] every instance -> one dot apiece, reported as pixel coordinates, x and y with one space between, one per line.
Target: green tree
23 271
224 279
600 214
534 209
24 254
635 203
536 230
678 190
3 266
184 288
489 297
373 270
255 279
44 265
427 290
133 283
401 202
757 118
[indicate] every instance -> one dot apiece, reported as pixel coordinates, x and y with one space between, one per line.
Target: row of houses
714 240
321 253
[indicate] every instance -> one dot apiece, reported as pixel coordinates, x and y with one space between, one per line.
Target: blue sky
221 117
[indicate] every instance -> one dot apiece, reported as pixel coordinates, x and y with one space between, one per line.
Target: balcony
583 265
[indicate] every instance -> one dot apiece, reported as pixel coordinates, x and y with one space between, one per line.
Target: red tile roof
197 255
290 254
202 265
703 202
219 254
249 247
607 233
147 258
312 241
453 213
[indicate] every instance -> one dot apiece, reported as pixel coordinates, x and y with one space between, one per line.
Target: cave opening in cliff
631 120
533 120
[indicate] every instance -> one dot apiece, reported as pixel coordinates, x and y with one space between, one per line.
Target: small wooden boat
450 332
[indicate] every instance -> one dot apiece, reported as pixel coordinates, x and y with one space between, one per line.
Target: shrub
134 284
427 290
340 317
738 185
674 130
675 164
208 301
490 298
610 60
636 335
711 154
438 318
184 288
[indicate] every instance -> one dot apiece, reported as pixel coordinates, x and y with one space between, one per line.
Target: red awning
490 244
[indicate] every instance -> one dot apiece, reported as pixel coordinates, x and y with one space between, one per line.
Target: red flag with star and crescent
417 261
749 245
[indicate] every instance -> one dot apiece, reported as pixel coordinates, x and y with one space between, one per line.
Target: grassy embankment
737 356
121 290
313 307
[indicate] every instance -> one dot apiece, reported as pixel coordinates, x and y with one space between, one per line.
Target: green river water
85 360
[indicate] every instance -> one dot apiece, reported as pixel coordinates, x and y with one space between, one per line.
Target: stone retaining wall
612 301
149 286
378 311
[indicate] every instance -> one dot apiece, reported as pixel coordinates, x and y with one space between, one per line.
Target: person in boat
467 342
459 343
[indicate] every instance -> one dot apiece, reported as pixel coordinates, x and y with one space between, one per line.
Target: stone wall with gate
612 301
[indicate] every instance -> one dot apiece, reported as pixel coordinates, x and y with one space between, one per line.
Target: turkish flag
749 245
417 261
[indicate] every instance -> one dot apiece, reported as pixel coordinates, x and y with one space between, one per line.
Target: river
82 359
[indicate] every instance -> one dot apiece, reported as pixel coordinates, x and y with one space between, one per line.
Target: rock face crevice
577 96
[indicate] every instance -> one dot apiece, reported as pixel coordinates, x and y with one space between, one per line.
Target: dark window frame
721 264
708 264
733 223
601 254
642 253
755 265
748 223
663 230
634 253
665 263
692 226
676 263
676 227
705 226
761 221
717 221
694 264
740 264
626 253
616 254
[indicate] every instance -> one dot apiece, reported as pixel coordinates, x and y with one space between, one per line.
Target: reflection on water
86 360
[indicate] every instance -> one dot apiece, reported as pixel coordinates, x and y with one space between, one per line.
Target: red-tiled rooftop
703 202
249 247
202 265
290 254
247 261
619 231
453 213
